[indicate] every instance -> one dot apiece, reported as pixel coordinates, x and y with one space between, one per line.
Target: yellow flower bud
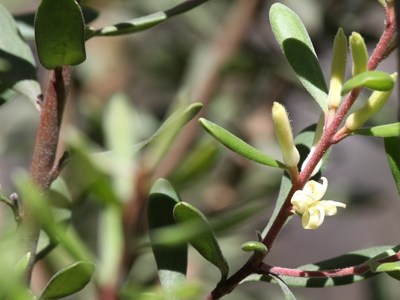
359 53
283 132
373 105
338 69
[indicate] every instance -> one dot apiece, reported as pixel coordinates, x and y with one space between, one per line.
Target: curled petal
313 218
330 207
302 201
316 189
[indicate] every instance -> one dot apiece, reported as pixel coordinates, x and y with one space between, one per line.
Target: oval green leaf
60 33
68 281
239 146
385 131
374 80
297 47
205 242
171 259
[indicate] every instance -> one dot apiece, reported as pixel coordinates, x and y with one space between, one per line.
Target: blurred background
223 54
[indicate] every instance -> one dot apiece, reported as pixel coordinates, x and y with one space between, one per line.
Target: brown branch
44 162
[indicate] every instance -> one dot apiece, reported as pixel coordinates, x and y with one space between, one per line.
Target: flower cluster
307 203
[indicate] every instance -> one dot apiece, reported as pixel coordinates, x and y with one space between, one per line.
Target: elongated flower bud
359 53
373 105
338 69
283 132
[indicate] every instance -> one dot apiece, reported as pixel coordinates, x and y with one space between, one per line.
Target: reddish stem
353 270
44 167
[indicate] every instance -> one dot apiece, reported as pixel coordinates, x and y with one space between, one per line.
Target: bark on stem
44 155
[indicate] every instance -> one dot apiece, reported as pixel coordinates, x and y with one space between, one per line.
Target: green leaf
68 281
254 246
390 268
374 80
160 142
205 243
146 22
40 207
297 47
285 289
174 235
119 124
60 33
171 259
17 64
385 131
237 145
199 161
110 245
22 264
392 148
167 131
90 173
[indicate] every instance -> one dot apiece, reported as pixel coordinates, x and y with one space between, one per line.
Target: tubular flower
307 203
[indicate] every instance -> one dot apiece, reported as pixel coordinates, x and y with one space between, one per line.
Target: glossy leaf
171 259
374 80
392 148
385 131
68 281
146 22
205 243
60 33
237 145
297 47
17 64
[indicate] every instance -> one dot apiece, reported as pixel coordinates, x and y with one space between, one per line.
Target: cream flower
307 203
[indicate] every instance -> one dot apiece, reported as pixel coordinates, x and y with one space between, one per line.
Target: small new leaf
254 246
374 80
